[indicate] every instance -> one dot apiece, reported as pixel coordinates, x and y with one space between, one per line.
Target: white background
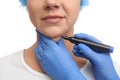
100 19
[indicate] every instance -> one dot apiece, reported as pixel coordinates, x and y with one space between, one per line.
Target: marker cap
111 49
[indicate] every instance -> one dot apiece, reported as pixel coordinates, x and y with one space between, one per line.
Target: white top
14 67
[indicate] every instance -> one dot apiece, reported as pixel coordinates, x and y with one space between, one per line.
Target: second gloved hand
56 60
101 62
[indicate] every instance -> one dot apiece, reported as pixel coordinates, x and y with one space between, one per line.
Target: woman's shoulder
11 58
117 67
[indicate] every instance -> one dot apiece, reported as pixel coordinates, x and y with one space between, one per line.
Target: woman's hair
82 4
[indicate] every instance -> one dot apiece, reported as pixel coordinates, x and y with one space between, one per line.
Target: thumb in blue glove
56 60
101 62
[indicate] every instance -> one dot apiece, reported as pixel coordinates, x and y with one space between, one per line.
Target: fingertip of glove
75 47
84 48
35 50
77 54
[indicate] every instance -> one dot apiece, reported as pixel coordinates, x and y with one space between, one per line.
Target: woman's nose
51 4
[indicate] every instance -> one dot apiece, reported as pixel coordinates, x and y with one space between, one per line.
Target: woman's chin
56 37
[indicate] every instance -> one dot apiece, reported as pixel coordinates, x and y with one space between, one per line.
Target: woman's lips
52 19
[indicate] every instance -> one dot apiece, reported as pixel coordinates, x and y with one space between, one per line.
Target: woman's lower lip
53 20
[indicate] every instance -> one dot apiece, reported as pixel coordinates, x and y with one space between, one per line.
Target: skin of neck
31 60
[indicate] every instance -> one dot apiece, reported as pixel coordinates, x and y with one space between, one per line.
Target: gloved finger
86 37
62 47
86 52
44 41
78 53
61 43
40 39
39 52
75 47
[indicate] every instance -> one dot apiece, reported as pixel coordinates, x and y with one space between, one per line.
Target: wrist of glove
102 64
55 60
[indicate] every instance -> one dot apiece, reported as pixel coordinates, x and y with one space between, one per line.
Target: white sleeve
117 68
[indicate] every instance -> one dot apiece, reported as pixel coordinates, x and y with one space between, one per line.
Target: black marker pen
97 47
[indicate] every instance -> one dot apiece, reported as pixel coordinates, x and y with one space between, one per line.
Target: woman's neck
31 60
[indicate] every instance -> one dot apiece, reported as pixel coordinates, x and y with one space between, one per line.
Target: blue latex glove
101 62
56 60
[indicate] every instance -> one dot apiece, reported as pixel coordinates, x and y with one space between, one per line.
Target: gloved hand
56 60
101 62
